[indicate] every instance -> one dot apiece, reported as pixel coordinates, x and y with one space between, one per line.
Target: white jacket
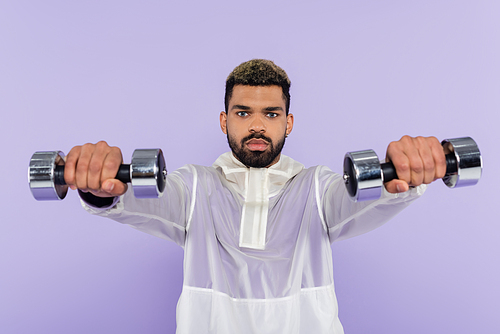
257 242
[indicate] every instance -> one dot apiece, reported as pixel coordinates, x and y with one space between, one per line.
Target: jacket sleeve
345 218
165 217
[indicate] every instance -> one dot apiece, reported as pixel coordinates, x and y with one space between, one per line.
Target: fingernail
399 188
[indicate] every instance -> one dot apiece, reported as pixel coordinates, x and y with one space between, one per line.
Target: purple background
151 74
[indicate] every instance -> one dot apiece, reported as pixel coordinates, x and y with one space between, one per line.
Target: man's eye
272 114
242 113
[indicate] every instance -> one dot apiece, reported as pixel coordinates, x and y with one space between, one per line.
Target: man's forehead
258 96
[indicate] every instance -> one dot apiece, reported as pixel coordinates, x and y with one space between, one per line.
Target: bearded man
256 227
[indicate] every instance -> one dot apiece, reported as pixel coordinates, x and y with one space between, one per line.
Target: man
256 227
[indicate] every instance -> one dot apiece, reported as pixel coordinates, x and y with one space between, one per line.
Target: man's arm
92 168
418 161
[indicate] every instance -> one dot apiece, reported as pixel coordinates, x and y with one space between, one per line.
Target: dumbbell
147 173
364 175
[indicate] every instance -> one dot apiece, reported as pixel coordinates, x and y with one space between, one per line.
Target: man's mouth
257 144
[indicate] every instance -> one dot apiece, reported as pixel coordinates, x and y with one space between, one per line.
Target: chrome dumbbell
364 175
147 173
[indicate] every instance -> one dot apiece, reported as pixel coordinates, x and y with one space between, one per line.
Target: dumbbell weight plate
42 177
148 173
363 175
468 157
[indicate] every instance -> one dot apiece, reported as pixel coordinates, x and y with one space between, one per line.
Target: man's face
256 124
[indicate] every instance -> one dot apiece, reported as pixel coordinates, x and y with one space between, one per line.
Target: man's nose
257 125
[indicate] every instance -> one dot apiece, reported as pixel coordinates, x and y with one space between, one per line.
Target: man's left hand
417 160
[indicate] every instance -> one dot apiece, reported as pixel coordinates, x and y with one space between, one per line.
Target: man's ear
223 122
289 123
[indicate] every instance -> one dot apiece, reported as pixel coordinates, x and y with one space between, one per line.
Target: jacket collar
236 172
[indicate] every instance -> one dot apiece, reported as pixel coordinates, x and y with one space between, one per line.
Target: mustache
256 136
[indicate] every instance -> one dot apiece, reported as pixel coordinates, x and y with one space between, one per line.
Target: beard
256 159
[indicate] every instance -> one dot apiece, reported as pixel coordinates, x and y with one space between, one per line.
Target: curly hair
258 72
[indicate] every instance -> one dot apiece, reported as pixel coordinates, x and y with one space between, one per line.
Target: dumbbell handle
122 175
389 171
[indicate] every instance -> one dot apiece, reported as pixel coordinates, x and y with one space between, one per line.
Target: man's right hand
93 167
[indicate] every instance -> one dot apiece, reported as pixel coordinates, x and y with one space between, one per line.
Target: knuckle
434 143
82 166
73 155
111 164
69 164
433 139
94 167
403 167
420 140
406 139
74 150
116 150
88 145
429 165
429 162
417 168
393 146
102 144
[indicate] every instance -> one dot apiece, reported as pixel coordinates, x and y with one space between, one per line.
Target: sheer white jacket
257 242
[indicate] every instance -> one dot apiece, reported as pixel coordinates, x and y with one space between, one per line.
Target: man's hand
417 160
93 167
